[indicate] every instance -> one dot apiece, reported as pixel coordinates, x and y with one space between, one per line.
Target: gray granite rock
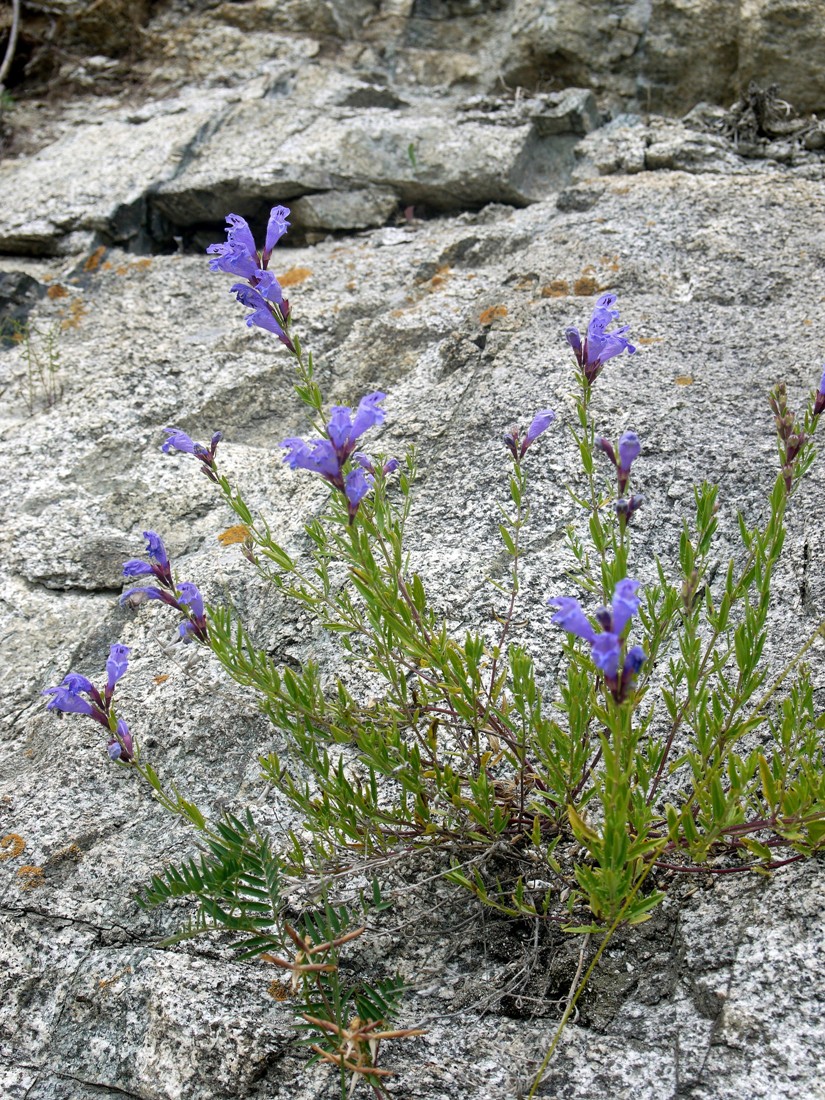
105 192
364 208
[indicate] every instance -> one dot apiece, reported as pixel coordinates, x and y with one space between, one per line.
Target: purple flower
157 566
599 345
116 666
629 450
191 597
626 508
634 659
265 319
77 695
540 423
328 457
122 746
68 701
319 456
239 256
366 463
819 401
233 258
625 604
275 229
605 652
571 618
179 441
356 486
155 548
606 644
147 592
77 683
345 428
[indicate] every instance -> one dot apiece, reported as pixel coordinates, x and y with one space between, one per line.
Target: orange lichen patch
279 991
559 288
487 316
525 283
440 277
74 314
11 846
807 321
233 535
610 262
683 380
93 262
107 266
649 340
295 276
30 878
351 285
57 291
585 286
143 264
162 679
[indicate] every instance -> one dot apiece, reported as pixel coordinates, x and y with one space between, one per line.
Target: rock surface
656 55
448 240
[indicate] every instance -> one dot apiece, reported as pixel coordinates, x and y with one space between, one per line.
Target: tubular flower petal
571 618
179 441
190 596
540 423
357 484
605 653
148 592
121 747
116 666
629 450
275 229
68 701
625 604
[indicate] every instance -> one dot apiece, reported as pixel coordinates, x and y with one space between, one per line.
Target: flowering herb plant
665 748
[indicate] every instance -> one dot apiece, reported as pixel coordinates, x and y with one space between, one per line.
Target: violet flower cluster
184 597
261 292
606 645
599 345
77 695
329 457
517 446
179 441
